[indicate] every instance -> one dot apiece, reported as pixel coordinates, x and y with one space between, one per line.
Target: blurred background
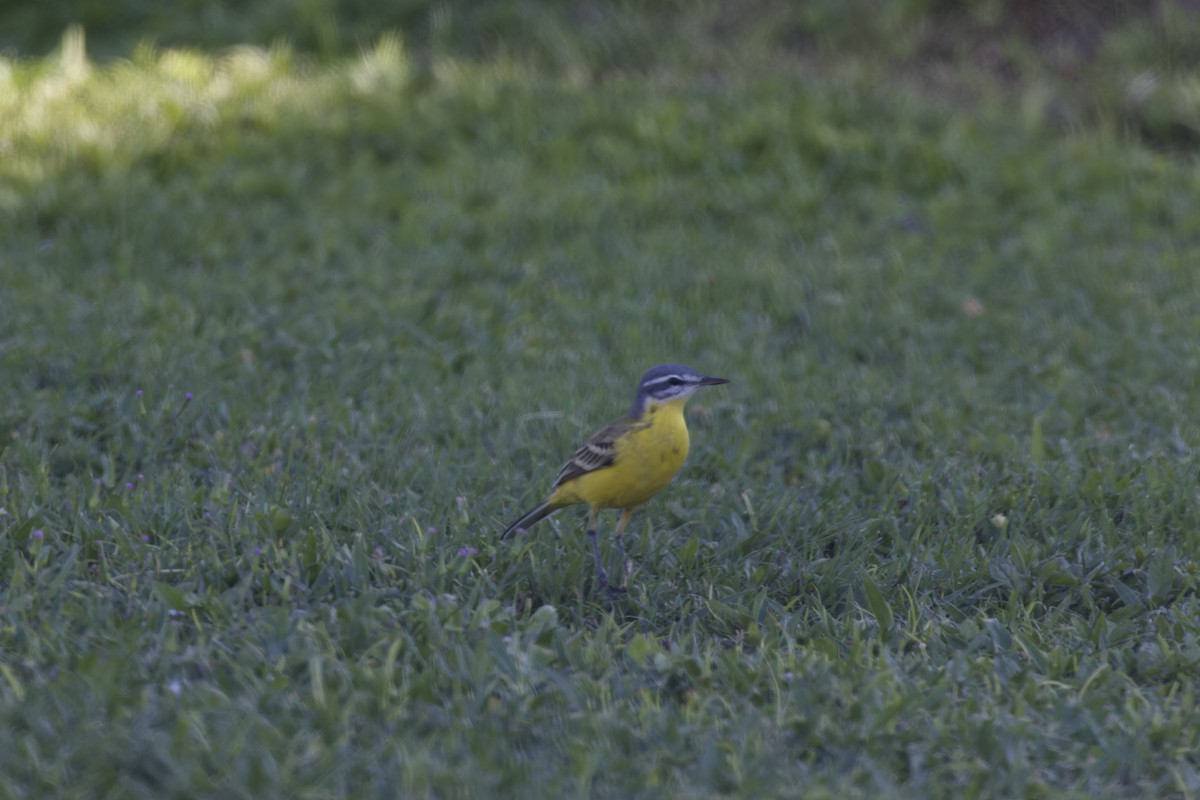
1124 63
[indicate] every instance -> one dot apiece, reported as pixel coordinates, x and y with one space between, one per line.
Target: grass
286 339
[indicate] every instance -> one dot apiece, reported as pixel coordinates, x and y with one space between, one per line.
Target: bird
628 461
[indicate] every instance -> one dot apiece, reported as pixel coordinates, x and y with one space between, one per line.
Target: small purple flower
467 552
138 393
146 537
188 397
431 529
257 551
141 477
38 534
128 485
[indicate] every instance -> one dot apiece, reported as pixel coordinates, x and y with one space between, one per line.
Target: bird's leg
619 533
601 575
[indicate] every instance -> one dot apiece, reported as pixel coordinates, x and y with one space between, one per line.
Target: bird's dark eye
674 382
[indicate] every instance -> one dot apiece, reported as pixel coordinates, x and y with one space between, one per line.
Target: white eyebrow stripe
666 381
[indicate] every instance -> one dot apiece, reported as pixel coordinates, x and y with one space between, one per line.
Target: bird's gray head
666 382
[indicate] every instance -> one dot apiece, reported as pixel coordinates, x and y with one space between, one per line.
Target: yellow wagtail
628 461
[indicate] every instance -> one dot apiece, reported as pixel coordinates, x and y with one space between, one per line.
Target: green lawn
289 333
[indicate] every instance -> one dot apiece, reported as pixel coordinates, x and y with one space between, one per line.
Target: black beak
707 381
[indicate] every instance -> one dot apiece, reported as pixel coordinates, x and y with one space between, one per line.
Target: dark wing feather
598 452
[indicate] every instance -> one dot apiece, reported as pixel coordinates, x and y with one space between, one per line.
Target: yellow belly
646 460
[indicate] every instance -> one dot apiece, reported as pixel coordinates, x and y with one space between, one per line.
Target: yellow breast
646 459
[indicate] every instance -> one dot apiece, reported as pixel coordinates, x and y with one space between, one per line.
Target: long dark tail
529 519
